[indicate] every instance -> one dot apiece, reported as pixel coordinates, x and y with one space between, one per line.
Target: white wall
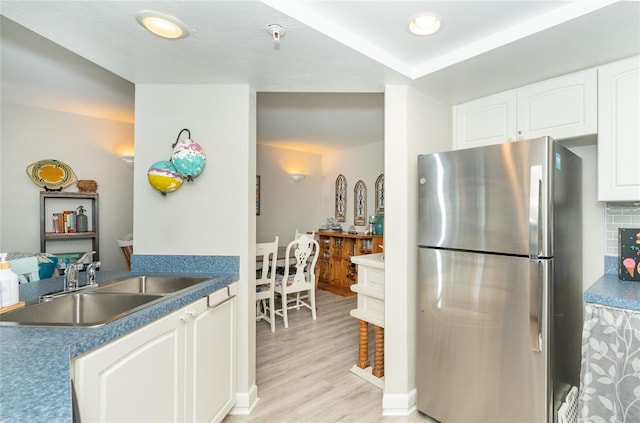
214 214
89 146
364 163
593 222
286 205
414 124
202 216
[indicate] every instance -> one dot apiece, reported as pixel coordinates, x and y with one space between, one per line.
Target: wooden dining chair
298 277
266 258
126 245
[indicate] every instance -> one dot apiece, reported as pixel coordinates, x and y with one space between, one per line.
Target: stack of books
65 222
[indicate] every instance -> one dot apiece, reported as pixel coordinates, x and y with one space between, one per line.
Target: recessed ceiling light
162 25
425 24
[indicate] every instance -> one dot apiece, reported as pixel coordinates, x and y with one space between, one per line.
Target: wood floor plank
303 372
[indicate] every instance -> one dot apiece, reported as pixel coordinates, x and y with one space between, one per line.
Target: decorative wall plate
52 175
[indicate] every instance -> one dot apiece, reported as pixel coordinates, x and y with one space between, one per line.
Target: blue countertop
35 384
611 291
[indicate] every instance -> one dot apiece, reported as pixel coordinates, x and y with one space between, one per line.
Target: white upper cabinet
488 120
562 107
619 131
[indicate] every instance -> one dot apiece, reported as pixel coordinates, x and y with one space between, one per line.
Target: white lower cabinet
210 392
180 368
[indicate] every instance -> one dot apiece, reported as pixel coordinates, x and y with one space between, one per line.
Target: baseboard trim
399 404
367 375
246 402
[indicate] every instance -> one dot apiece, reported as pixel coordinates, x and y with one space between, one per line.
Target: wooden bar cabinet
335 271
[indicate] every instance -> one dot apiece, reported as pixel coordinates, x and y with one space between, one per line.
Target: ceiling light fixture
424 24
162 25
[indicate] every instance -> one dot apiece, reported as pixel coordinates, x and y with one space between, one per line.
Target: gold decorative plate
52 175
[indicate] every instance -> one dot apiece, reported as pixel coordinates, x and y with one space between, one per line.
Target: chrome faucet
71 273
71 277
91 272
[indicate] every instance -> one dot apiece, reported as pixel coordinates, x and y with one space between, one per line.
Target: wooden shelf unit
47 199
336 272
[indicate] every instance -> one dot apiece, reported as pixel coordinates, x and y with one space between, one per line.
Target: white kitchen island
370 310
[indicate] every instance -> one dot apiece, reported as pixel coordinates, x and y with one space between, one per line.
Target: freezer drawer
482 337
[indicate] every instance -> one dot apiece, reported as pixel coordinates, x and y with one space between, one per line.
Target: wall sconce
296 177
127 160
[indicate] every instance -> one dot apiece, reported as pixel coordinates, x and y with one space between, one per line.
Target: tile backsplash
619 215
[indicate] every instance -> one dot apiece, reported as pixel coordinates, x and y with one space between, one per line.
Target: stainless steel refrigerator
500 282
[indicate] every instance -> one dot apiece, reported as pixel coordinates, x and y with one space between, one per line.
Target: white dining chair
266 258
298 277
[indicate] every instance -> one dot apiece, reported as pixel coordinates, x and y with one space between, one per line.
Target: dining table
282 252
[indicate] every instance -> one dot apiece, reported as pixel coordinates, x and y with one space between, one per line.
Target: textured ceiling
329 47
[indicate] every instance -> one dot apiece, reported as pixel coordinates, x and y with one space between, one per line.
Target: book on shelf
65 222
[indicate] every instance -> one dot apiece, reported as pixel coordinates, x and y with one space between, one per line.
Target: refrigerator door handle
535 308
535 188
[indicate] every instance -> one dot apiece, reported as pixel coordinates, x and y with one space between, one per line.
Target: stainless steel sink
151 284
78 309
110 301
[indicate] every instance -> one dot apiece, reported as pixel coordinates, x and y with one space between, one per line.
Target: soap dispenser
82 224
8 283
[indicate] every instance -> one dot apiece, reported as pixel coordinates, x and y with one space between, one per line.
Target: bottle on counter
82 224
8 283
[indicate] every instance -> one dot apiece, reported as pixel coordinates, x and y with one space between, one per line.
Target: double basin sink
105 303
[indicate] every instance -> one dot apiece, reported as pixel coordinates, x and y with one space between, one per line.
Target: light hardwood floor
303 372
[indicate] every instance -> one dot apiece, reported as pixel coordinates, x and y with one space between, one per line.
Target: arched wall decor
380 194
341 198
360 204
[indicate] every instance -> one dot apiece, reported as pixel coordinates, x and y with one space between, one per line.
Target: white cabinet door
139 377
619 131
180 368
562 107
211 360
489 120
